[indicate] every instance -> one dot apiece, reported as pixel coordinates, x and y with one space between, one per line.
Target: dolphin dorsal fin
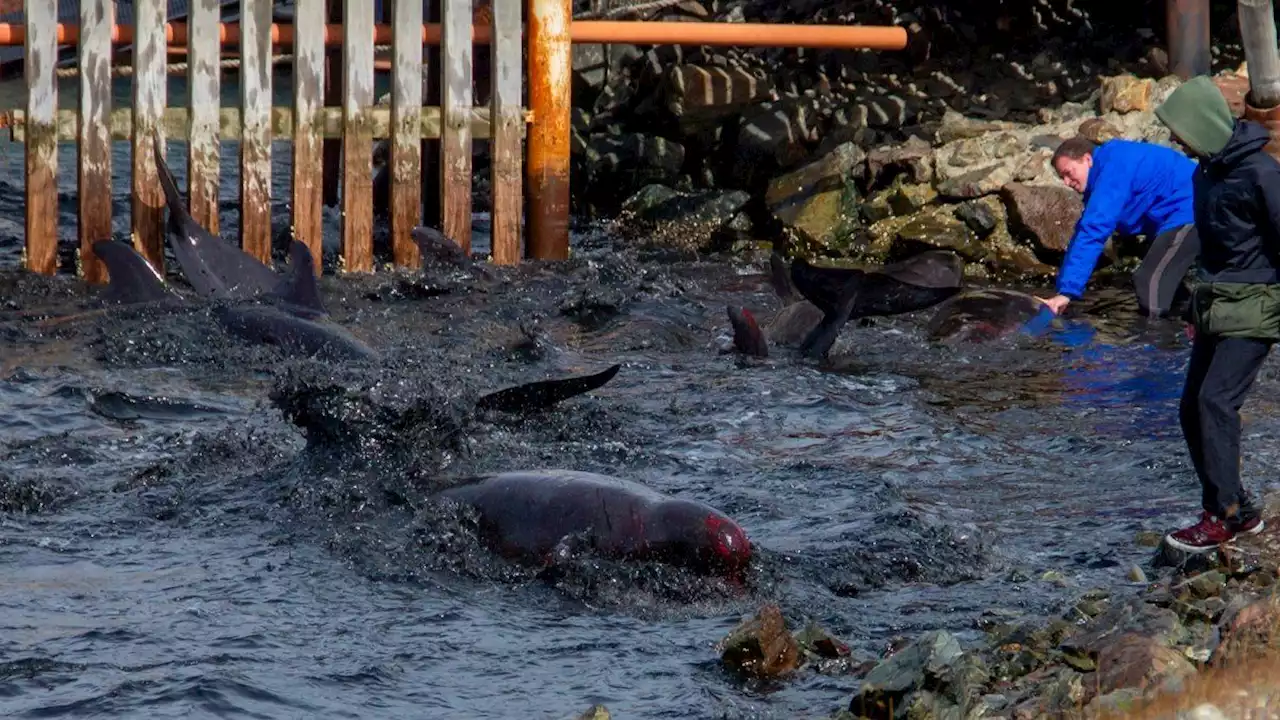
299 287
131 279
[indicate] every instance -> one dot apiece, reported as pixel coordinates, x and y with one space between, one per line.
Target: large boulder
1044 215
818 199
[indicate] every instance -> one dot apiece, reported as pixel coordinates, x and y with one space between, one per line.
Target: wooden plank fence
256 122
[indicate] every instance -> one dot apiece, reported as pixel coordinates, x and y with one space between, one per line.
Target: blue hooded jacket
1134 187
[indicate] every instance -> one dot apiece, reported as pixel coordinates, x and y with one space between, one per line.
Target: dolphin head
699 536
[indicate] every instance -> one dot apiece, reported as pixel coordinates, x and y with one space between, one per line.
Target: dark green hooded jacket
1237 211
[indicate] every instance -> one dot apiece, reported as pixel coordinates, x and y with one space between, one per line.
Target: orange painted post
547 162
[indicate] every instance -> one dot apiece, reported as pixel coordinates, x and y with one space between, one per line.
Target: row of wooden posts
203 123
358 122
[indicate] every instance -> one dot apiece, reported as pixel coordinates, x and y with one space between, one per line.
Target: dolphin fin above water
300 288
544 393
215 268
820 340
747 336
131 279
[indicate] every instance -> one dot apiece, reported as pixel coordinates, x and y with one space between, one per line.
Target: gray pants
1166 263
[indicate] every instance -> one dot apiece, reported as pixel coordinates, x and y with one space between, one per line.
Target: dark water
172 547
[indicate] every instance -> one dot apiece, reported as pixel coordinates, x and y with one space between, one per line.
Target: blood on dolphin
529 514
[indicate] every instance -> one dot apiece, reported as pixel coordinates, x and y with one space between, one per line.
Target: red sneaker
1204 536
1251 526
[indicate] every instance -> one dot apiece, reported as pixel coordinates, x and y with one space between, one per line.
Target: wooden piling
255 114
93 180
308 160
507 112
455 104
204 98
149 93
357 138
406 140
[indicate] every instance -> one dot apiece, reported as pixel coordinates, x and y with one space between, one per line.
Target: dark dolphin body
984 314
293 321
531 514
834 296
215 268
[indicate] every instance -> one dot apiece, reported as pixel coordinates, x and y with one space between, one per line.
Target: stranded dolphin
834 296
987 314
532 515
292 321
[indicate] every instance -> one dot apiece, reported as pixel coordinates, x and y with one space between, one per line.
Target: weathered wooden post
547 167
204 98
455 127
308 144
1187 24
406 130
507 135
1258 34
41 143
150 90
357 137
255 124
94 138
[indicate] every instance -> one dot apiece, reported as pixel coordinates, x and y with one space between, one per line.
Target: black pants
1160 275
1222 371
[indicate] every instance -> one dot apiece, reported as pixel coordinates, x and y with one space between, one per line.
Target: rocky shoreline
861 156
1191 635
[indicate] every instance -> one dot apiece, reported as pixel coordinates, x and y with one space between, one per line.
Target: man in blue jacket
1136 188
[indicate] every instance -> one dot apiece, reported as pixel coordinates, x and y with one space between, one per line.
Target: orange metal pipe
583 31
740 34
550 59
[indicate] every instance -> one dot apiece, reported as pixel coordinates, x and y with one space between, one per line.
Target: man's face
1181 146
1074 172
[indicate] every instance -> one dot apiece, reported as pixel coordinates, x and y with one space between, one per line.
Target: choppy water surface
172 548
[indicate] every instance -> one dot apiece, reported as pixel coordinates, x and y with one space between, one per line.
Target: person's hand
1057 303
1191 331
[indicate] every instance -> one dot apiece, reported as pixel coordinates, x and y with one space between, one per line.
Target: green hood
1198 115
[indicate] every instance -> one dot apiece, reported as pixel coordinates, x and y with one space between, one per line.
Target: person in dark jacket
1235 304
1135 188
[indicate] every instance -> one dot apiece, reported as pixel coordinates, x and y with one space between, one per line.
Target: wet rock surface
1142 653
814 137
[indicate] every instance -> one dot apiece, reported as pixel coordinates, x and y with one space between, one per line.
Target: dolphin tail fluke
820 340
131 277
300 286
747 337
544 393
780 277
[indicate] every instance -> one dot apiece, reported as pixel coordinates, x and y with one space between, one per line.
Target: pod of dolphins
532 515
